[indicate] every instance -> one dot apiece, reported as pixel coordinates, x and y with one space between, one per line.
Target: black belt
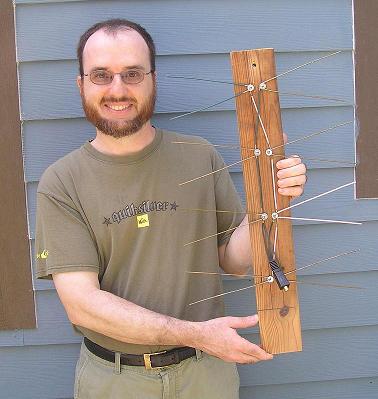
148 360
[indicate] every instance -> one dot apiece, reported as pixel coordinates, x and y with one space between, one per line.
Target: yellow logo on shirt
43 255
142 221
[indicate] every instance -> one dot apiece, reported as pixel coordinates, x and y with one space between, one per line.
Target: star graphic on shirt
174 206
107 221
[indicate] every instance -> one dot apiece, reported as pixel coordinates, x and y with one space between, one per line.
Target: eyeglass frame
118 73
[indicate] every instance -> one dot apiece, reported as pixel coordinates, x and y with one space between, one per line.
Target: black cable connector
279 275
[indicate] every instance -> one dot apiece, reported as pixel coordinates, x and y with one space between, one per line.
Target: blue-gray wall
193 38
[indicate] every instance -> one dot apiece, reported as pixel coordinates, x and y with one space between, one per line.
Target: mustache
119 99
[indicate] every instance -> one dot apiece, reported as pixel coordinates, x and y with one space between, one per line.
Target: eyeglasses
103 77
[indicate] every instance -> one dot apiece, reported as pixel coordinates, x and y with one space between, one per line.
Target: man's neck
126 145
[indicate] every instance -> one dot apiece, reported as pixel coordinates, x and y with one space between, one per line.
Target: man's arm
89 306
235 256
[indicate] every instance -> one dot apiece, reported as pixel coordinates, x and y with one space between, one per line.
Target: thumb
244 322
284 138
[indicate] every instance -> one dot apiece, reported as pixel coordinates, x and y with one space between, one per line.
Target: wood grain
278 310
16 289
366 64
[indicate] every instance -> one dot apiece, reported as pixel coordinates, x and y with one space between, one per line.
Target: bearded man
111 223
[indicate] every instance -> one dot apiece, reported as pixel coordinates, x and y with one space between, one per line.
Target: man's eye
100 74
133 74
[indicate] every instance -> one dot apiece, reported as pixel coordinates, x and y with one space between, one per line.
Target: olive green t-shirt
128 219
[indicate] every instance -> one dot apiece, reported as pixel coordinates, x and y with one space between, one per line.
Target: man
112 221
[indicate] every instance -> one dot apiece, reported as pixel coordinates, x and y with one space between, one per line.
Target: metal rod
323 260
231 146
304 95
274 186
221 232
327 285
319 220
301 66
317 196
275 241
314 134
217 210
261 122
225 274
210 106
206 80
339 161
226 293
216 171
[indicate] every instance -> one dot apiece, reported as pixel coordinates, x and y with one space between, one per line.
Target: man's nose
117 86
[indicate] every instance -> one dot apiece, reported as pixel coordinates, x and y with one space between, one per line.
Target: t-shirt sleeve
227 199
63 241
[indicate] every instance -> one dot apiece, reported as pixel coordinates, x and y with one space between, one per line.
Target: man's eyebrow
135 67
102 68
97 68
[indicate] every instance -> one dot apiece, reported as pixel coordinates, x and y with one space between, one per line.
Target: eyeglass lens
102 77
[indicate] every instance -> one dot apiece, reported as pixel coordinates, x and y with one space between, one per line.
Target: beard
120 128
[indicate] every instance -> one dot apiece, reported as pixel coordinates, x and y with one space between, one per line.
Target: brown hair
113 26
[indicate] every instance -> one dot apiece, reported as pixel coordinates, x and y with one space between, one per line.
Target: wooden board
278 311
17 308
366 64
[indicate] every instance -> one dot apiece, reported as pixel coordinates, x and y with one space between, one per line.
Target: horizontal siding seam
158 55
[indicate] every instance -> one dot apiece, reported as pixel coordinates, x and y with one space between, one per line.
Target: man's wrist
190 334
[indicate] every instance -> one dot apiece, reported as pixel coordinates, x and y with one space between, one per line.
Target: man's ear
79 82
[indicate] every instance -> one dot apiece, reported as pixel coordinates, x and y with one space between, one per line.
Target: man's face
117 109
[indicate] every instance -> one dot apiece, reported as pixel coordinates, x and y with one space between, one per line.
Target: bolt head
250 87
262 86
269 152
257 152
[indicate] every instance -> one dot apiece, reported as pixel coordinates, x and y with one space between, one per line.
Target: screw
274 215
250 87
262 86
269 152
264 216
257 152
269 279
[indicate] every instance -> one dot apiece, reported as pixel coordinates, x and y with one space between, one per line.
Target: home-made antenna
260 129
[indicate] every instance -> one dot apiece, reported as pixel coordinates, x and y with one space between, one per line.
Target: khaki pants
199 377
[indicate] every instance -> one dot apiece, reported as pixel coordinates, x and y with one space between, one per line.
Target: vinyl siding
193 39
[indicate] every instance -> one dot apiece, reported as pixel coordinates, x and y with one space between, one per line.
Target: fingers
292 191
291 176
248 359
254 352
245 359
248 352
292 181
290 162
243 322
219 337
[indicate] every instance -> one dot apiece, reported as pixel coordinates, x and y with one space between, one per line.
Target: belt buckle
147 360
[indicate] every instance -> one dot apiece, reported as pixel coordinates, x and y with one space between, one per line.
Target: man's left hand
291 176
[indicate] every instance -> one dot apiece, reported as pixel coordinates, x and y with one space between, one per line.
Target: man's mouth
118 107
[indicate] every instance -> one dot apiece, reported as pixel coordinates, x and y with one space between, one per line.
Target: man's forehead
121 45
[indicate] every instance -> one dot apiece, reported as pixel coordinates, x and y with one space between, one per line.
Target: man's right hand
218 337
